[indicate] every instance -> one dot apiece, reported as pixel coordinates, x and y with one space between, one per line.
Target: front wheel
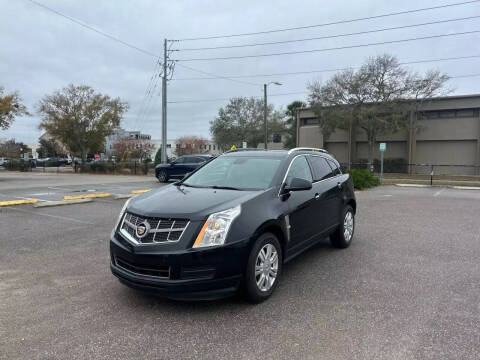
162 176
342 237
264 268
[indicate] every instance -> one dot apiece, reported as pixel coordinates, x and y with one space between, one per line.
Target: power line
213 76
329 23
329 49
224 99
111 37
325 70
284 94
330 36
118 40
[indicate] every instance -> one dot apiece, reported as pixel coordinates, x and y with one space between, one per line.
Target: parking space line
52 216
18 202
439 192
86 196
140 191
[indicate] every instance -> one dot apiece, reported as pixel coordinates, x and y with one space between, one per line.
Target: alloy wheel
348 226
266 267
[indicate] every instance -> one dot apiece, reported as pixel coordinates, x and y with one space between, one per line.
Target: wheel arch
277 228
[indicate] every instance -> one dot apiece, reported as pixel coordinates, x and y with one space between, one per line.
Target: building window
465 113
277 138
309 121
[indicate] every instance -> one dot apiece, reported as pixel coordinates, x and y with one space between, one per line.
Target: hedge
363 179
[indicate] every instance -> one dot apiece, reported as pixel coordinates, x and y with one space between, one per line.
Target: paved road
407 288
51 186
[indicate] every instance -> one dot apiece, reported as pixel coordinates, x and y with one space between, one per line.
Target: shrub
362 179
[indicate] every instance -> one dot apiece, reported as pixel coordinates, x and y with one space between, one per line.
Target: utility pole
265 113
164 104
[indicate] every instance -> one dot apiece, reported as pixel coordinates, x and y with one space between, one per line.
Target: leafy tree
158 156
50 148
13 149
291 123
188 145
242 120
377 98
10 107
80 118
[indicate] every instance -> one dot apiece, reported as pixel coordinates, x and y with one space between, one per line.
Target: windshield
242 173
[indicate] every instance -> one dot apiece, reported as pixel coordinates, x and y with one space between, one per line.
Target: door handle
339 185
317 196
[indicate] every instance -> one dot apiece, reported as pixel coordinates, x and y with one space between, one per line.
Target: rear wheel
162 176
264 268
343 236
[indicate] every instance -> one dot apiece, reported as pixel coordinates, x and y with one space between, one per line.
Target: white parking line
439 192
50 215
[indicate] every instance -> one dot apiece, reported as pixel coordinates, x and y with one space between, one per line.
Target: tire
259 292
162 176
343 235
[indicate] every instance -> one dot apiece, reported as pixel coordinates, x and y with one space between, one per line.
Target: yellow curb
140 191
18 202
86 196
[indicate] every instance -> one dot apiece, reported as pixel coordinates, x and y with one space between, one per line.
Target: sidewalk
438 180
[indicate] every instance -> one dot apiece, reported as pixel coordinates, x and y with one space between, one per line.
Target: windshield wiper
224 187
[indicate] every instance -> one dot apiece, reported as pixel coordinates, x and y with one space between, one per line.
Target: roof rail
307 149
244 149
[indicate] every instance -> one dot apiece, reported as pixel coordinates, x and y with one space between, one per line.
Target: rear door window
299 169
321 169
335 167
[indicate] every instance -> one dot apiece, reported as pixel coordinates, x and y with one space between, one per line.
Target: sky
42 52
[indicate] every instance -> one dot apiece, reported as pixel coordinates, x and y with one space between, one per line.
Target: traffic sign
383 147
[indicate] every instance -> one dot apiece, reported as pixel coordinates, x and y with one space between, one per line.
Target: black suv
234 221
180 167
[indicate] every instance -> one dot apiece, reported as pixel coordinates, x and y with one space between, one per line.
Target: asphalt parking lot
408 287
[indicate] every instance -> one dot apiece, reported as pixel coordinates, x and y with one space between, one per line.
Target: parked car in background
236 220
4 162
180 167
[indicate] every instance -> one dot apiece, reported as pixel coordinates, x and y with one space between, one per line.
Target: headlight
122 212
215 230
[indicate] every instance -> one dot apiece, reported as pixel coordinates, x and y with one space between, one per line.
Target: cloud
42 52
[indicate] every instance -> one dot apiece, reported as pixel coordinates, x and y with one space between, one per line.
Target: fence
420 169
99 167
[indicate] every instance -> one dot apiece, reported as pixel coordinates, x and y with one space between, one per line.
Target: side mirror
297 184
172 163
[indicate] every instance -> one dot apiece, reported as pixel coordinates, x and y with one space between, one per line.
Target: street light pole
265 107
265 113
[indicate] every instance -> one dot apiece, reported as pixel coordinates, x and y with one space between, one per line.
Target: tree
190 144
291 123
128 148
242 120
80 118
158 156
50 148
13 149
378 98
10 107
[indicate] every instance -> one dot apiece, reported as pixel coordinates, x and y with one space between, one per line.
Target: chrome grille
159 230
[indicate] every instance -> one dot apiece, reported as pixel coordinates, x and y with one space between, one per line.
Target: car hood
185 202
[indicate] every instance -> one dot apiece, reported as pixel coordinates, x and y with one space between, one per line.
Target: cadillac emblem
143 229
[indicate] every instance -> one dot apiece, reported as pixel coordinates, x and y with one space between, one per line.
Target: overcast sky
42 52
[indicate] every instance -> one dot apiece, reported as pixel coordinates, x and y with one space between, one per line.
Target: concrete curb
18 202
412 185
465 187
86 196
61 202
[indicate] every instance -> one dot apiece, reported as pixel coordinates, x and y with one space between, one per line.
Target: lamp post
265 108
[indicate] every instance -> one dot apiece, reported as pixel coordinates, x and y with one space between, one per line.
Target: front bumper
191 274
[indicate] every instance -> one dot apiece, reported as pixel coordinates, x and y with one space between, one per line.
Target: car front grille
157 230
160 271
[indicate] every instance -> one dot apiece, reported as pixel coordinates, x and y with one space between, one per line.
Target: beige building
448 134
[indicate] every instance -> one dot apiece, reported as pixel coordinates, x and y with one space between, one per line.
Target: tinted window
321 169
195 160
299 169
335 168
180 160
240 172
